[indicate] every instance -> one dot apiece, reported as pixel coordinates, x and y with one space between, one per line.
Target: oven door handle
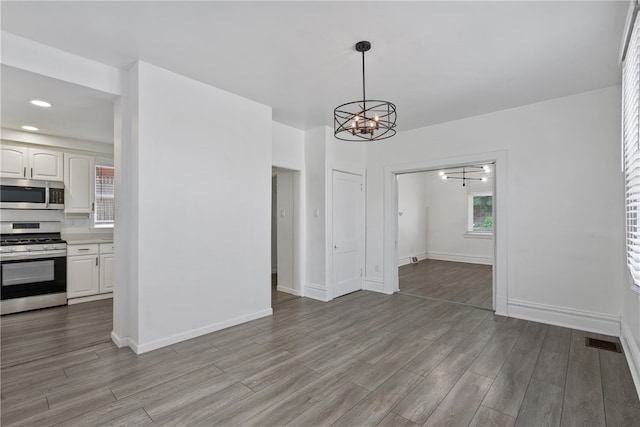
19 256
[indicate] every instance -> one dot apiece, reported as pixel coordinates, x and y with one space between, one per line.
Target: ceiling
437 61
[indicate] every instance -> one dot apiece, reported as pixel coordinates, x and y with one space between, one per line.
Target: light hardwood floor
449 281
365 359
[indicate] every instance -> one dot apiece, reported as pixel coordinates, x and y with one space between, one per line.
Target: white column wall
564 201
204 168
315 215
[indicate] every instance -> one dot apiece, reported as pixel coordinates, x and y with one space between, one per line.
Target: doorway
285 236
445 234
391 214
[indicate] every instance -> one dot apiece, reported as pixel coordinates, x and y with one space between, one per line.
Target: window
480 213
104 197
631 152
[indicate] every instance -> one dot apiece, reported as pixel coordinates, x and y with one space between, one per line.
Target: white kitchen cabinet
79 178
45 165
14 161
90 269
31 163
106 267
83 271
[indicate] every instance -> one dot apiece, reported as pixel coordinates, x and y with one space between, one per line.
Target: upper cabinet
45 165
79 183
30 163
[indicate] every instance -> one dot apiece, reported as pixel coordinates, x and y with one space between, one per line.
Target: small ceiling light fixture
40 103
366 120
468 173
30 128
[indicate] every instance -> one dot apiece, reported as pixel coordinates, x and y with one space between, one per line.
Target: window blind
105 200
631 150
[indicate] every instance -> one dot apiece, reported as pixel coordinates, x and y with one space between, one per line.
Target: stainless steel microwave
31 194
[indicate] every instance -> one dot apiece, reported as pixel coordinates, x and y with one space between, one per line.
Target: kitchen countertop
86 238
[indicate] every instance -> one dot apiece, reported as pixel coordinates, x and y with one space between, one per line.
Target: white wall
447 221
315 190
203 208
564 201
412 217
288 147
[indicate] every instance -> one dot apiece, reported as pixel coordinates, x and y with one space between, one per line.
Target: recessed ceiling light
31 128
40 103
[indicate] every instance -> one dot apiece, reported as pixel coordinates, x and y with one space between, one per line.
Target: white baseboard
441 256
375 285
122 342
632 353
72 301
153 345
288 290
567 317
407 260
315 291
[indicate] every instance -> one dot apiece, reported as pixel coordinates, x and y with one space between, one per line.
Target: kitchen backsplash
69 225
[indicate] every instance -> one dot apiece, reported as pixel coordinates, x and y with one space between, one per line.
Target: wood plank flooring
459 282
365 359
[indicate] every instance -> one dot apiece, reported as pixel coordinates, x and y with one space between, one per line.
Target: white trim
584 320
98 297
632 353
374 285
442 256
477 235
390 240
153 345
288 290
407 260
122 342
315 291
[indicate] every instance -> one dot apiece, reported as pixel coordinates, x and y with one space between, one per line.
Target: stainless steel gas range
33 261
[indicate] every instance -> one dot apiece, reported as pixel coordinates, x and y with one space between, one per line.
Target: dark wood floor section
449 281
365 359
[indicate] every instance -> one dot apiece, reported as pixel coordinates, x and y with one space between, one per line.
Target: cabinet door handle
93 207
83 249
31 172
24 171
96 260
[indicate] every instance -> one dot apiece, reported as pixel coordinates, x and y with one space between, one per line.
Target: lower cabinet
89 269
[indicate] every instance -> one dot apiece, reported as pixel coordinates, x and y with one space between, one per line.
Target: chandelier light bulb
484 179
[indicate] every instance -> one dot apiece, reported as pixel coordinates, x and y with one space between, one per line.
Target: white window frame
631 152
470 231
100 162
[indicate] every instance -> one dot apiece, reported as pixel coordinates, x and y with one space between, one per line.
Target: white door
348 233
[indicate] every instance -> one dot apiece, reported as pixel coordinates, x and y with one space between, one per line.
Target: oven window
28 272
10 193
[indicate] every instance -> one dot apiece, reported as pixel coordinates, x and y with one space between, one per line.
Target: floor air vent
603 345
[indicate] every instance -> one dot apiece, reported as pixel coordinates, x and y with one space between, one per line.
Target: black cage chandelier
468 173
366 120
